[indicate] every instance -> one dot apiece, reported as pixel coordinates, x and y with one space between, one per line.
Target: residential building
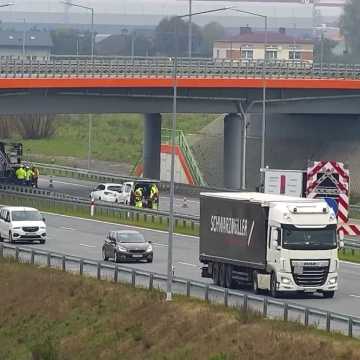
249 45
30 45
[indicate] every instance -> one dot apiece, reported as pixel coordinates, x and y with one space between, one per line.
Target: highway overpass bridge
145 85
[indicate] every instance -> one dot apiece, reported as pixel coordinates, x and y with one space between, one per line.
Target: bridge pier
233 128
152 142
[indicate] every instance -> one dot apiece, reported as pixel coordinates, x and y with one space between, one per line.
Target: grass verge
352 255
116 137
48 314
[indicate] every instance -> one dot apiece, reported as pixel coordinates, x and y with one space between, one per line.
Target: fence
270 308
101 66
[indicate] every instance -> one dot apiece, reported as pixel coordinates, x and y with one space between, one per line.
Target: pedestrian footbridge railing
266 307
159 67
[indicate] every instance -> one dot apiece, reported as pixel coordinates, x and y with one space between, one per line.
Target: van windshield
309 239
21 215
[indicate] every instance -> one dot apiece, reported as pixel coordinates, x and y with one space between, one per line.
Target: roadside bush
35 126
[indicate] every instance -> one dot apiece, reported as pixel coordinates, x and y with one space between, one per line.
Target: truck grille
30 228
310 273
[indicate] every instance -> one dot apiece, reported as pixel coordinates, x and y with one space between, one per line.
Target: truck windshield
26 216
309 239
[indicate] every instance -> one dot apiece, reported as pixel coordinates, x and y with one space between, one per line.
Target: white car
108 192
22 224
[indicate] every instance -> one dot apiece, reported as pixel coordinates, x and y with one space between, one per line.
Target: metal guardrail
267 307
159 67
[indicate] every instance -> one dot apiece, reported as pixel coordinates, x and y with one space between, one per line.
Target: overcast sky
164 7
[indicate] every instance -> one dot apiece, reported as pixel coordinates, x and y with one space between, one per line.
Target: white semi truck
272 242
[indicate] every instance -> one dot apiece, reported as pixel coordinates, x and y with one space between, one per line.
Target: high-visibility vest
20 174
29 174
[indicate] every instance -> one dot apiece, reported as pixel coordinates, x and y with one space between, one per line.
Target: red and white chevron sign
330 179
349 229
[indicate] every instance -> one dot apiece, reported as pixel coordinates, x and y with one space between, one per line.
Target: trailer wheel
216 273
222 274
274 292
229 283
255 283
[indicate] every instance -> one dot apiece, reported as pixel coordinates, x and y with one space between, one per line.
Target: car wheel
150 260
1 239
99 197
11 240
106 258
42 241
274 292
116 201
328 294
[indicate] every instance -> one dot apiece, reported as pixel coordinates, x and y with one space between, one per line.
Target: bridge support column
152 142
233 127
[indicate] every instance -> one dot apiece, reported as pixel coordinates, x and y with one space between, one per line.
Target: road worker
138 198
20 175
35 176
154 197
28 175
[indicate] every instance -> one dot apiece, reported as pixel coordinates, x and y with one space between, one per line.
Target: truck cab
302 248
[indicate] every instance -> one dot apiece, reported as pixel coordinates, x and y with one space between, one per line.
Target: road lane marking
86 245
158 244
187 264
349 263
123 225
67 228
74 184
355 296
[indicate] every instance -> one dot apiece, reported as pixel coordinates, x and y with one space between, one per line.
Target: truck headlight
333 281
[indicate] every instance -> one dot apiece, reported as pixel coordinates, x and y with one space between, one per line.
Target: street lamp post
190 31
263 122
91 9
173 143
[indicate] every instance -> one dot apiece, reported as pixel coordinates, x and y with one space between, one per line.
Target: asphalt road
82 189
80 237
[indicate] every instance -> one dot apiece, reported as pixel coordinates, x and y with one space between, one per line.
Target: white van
22 224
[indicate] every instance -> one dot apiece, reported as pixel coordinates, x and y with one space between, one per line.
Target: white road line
349 263
90 246
187 264
68 183
161 245
355 296
115 224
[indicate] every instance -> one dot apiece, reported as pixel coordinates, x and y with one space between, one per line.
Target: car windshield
21 215
129 238
309 239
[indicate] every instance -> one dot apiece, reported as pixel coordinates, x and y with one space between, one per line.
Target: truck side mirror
341 240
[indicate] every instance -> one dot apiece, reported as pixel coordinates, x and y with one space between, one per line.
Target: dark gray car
125 245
